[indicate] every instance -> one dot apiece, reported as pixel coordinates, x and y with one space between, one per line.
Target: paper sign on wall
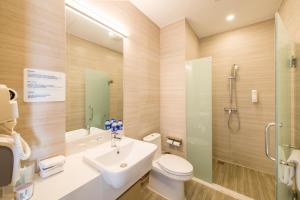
44 86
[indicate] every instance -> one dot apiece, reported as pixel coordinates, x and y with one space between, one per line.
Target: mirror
94 69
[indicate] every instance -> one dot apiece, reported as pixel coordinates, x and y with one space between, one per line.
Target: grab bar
267 140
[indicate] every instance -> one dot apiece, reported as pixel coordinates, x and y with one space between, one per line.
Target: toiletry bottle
107 125
120 125
114 127
112 120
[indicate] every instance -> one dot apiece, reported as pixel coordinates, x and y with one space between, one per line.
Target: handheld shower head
234 70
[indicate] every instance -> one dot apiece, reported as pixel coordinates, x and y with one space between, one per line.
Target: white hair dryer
18 146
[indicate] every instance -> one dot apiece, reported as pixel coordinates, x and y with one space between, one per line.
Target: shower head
234 69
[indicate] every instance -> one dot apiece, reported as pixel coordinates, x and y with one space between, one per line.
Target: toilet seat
175 165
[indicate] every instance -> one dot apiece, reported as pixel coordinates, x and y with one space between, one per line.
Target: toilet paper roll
170 141
177 144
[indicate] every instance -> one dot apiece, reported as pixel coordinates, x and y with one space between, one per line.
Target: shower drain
123 165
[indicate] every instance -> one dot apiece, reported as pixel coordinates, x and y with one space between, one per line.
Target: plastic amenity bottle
107 125
120 125
114 127
112 120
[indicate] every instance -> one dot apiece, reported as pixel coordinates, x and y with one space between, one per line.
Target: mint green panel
199 116
283 102
297 88
96 98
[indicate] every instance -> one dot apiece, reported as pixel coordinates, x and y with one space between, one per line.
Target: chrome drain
123 165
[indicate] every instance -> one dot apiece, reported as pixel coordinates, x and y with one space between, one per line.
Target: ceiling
86 29
207 17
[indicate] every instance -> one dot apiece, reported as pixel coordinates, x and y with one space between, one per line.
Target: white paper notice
44 86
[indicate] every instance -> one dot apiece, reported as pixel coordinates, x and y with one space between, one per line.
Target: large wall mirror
94 69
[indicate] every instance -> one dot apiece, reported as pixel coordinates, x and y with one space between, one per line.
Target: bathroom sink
122 165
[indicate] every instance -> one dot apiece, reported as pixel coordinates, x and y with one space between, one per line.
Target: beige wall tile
172 84
33 35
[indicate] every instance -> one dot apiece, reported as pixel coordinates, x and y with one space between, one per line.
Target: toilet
169 172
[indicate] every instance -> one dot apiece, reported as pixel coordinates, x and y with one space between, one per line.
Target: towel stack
287 173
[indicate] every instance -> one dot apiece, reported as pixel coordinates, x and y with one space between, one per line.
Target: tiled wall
192 43
82 55
172 85
33 35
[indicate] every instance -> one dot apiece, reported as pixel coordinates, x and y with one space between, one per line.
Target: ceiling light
230 17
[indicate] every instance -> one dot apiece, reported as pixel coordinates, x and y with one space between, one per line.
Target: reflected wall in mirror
94 73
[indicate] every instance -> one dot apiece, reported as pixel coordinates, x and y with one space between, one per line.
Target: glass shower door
96 98
283 104
199 116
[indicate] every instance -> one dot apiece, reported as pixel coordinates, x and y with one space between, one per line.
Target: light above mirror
73 6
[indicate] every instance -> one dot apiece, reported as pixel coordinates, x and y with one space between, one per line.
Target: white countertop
76 174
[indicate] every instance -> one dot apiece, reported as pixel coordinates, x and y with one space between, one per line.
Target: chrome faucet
114 137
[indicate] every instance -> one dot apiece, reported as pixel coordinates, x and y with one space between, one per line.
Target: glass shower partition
96 98
199 116
283 104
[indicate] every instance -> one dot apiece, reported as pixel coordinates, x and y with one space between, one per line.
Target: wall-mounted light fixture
73 7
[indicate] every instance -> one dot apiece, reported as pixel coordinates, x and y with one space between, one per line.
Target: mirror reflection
94 74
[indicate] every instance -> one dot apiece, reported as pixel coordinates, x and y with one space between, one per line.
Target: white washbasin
119 169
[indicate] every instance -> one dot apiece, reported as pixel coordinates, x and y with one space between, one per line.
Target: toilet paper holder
174 141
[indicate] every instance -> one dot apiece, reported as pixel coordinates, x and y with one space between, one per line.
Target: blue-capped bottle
107 125
114 127
120 125
112 120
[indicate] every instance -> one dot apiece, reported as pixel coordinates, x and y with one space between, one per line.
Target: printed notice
43 85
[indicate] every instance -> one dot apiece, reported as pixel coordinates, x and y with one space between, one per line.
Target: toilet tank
154 138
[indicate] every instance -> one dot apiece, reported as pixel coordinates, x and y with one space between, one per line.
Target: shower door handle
267 140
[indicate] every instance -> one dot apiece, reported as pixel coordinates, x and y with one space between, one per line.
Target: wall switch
254 96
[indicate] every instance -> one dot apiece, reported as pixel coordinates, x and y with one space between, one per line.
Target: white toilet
169 172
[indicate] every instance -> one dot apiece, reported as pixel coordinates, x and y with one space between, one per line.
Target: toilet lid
175 165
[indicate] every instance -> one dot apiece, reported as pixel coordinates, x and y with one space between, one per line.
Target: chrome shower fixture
232 92
233 74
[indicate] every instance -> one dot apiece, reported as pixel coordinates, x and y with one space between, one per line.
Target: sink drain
123 165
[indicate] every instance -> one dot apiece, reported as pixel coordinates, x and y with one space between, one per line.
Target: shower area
234 89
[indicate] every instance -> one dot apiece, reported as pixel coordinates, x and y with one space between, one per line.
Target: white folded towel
52 162
289 171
